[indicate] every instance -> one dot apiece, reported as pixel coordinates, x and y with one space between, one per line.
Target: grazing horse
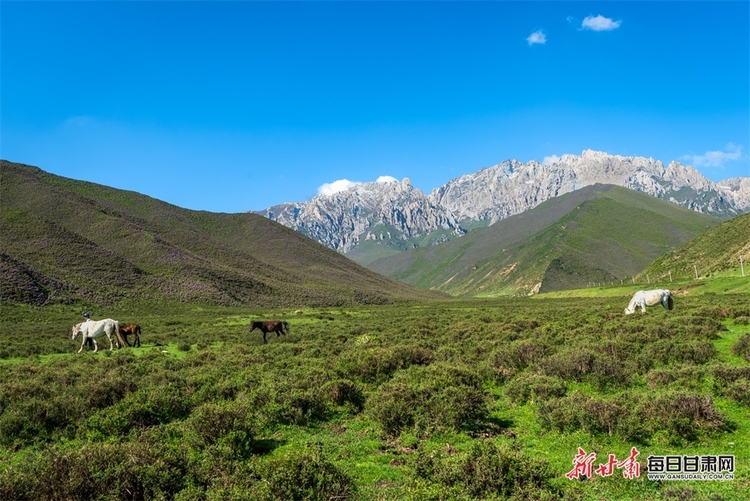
265 327
133 329
650 298
93 329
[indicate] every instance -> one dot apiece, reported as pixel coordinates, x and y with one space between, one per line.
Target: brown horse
133 329
267 326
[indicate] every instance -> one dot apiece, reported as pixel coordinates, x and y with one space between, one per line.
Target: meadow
450 399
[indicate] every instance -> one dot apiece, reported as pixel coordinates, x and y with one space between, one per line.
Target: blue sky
235 106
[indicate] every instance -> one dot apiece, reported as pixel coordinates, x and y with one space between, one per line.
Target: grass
286 385
729 282
717 252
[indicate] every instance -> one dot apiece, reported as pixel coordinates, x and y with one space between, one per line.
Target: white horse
93 329
650 298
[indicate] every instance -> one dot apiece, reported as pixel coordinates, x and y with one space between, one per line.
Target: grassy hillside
716 251
67 240
595 234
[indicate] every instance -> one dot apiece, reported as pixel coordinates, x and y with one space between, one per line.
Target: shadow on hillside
267 445
492 427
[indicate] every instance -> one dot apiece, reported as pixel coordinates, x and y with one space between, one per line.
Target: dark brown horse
133 329
267 326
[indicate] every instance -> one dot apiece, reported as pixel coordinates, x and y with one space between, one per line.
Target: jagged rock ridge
389 211
399 214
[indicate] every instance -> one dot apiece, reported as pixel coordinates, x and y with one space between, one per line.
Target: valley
380 389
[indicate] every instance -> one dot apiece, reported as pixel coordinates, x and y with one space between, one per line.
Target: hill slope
717 250
65 240
598 233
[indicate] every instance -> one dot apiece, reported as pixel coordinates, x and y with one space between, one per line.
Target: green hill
596 234
66 240
715 251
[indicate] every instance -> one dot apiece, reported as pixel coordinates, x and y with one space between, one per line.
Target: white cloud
538 37
387 179
599 23
715 158
550 160
328 189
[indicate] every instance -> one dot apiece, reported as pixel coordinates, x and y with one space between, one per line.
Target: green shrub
288 399
742 347
682 377
375 364
488 471
676 351
46 401
304 475
733 382
726 375
679 415
429 399
97 471
343 392
586 364
144 408
572 364
227 426
534 387
34 420
578 411
520 354
738 391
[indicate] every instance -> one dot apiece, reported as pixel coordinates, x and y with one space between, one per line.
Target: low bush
586 364
742 347
345 393
488 471
676 351
376 365
97 471
633 417
682 377
520 354
738 391
733 382
431 399
140 409
228 427
287 403
529 386
304 475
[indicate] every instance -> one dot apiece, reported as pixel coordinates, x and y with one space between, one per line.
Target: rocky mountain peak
399 215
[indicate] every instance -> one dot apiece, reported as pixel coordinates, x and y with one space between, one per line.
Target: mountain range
68 241
373 220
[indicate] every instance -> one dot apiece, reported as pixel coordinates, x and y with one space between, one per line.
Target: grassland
453 399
